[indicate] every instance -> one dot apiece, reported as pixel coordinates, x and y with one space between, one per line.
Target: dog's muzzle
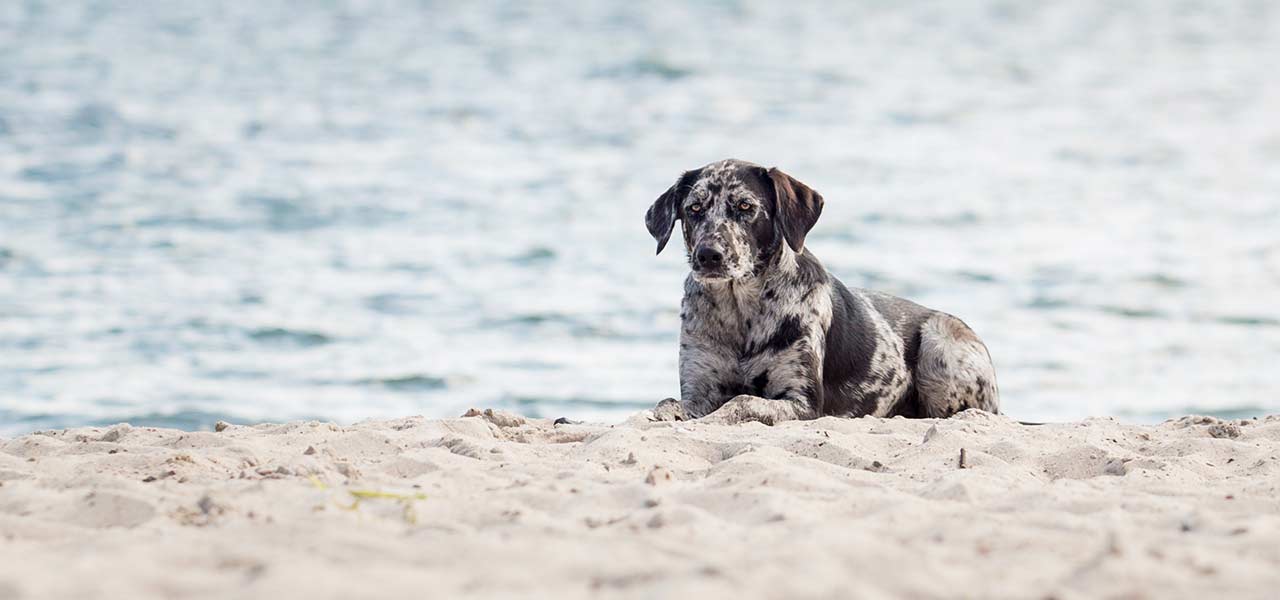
708 260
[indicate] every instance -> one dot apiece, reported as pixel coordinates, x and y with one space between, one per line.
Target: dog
768 335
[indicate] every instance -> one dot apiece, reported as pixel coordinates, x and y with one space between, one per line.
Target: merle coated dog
767 334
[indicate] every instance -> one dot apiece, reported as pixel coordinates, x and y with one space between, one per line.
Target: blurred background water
277 210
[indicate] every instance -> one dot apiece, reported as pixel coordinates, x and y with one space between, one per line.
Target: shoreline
496 504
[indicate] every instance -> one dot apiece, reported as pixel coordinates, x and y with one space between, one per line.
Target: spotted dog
767 334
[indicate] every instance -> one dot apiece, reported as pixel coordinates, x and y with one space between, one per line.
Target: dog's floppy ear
661 217
798 207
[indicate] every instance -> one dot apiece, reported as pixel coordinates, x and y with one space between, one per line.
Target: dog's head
736 217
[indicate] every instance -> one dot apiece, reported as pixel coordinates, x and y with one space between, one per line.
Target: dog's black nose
707 257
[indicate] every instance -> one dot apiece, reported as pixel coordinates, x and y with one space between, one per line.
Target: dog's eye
744 206
695 207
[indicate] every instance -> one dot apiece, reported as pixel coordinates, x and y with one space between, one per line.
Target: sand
495 505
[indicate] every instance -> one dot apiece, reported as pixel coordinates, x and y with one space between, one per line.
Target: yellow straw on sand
406 499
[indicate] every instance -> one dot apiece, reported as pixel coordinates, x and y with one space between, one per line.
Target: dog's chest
745 319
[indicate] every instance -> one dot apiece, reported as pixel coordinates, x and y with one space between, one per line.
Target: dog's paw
669 410
742 409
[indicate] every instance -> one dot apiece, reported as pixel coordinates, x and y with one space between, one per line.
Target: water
341 210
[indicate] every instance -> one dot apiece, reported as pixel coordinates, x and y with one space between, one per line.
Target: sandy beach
495 505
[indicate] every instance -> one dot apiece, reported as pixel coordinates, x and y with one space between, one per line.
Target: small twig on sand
964 459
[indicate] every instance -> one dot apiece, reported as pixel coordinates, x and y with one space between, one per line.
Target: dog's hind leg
954 371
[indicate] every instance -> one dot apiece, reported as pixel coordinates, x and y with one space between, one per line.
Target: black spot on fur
909 406
911 353
728 390
759 383
851 342
789 330
769 294
980 398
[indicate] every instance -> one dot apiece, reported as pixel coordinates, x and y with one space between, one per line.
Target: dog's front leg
745 408
789 388
708 376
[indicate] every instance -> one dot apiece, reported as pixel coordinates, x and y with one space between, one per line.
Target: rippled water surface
274 210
